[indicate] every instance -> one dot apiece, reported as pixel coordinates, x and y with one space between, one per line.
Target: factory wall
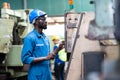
52 7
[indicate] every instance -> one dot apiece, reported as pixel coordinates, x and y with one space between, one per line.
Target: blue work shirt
36 45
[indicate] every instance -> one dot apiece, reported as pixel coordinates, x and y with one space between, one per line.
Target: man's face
42 23
55 41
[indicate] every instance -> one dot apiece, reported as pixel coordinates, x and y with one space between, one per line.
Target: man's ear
36 22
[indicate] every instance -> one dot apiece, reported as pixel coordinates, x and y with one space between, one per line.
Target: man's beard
43 26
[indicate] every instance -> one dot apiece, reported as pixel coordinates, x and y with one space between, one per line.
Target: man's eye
76 19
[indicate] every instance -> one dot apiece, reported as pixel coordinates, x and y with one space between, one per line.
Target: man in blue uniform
36 48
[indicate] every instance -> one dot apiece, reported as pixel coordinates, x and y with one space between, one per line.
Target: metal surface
14 56
72 25
104 9
82 45
5 34
102 27
74 38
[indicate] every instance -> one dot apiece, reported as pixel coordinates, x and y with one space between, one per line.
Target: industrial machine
13 27
91 42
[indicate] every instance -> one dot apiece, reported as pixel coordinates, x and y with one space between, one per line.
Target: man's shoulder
30 35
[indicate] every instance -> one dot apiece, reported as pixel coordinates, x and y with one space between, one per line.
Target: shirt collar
38 34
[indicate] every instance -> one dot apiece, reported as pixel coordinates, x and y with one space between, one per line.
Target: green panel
83 5
86 6
52 7
58 7
38 4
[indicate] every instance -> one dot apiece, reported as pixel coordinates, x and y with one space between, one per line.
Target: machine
91 42
13 27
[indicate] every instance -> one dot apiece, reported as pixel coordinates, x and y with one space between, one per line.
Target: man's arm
51 54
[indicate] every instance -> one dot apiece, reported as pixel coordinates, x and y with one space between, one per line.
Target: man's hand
61 45
39 59
50 56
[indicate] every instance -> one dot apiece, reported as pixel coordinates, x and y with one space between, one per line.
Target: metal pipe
25 4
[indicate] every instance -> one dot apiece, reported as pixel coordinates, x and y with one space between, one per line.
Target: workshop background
90 28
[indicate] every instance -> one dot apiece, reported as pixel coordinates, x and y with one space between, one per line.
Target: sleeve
27 50
55 47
